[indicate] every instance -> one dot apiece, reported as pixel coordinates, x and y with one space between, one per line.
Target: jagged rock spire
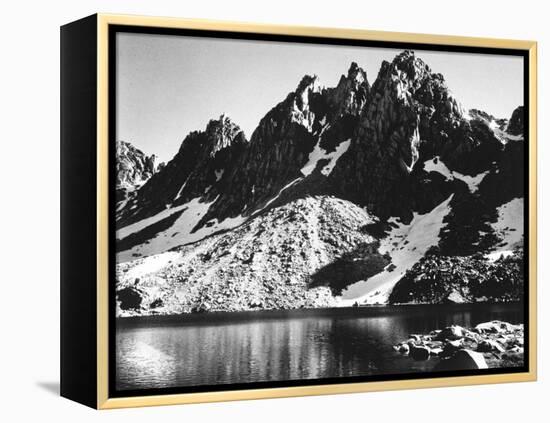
352 92
222 132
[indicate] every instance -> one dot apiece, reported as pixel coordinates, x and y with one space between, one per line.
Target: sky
170 85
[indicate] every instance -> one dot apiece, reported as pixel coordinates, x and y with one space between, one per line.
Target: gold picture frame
102 398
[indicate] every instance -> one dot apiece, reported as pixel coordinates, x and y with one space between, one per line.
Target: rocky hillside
437 279
355 186
289 257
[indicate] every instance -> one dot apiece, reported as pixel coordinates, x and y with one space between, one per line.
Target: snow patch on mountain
152 264
496 255
180 233
500 131
319 153
182 188
123 232
121 205
272 200
509 225
437 165
504 137
406 245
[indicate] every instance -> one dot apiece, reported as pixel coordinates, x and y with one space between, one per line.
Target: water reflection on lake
157 352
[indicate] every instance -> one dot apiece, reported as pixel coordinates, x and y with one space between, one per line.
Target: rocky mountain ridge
402 151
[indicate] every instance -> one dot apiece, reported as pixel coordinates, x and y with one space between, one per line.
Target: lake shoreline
360 312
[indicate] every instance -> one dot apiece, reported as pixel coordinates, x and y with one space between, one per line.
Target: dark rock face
411 117
468 226
515 125
386 141
351 94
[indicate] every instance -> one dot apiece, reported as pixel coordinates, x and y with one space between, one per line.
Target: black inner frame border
114 29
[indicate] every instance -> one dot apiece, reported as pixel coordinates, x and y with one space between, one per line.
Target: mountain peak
405 56
223 122
408 69
308 81
351 93
407 59
356 73
222 132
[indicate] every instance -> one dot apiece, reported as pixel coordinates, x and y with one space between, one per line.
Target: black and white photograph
296 212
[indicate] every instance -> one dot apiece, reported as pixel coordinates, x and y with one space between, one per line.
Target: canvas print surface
310 212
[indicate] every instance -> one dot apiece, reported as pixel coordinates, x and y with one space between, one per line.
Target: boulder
516 350
469 343
403 348
419 353
519 341
436 351
490 346
451 332
415 338
487 327
435 344
472 335
451 347
463 360
129 298
496 326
